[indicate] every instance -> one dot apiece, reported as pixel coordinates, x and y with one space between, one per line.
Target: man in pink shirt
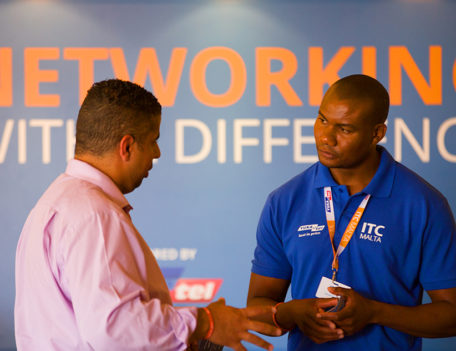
85 278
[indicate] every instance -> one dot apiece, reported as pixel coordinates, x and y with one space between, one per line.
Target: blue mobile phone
339 306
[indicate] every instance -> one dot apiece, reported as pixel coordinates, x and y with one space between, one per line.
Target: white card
322 290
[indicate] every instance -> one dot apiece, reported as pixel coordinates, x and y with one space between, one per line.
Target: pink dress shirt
86 279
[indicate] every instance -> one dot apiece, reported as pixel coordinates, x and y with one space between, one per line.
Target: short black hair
112 109
362 87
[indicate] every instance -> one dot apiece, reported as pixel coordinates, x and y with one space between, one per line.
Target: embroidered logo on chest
372 232
310 230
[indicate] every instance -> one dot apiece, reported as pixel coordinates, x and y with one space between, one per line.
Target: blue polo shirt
404 243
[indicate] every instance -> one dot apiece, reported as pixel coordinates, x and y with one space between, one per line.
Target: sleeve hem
442 284
270 272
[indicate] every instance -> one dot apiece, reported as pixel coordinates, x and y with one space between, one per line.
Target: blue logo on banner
171 275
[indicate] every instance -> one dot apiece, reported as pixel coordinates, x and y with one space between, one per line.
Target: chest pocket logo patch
310 230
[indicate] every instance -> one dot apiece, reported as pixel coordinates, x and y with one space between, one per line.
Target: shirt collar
323 177
381 184
82 170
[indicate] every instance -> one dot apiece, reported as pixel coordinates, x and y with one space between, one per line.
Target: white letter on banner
221 141
269 141
441 139
299 139
46 125
70 139
401 128
6 139
22 141
205 148
239 141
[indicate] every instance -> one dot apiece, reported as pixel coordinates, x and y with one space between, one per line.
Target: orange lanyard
351 227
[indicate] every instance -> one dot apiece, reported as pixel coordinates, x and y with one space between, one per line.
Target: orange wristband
211 323
275 320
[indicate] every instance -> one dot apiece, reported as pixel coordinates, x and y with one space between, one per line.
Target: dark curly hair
112 109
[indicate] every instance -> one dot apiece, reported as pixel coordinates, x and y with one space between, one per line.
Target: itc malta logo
310 230
372 232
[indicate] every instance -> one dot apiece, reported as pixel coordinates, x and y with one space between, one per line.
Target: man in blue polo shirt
359 233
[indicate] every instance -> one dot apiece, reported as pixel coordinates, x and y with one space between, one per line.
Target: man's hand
232 325
356 314
267 291
303 314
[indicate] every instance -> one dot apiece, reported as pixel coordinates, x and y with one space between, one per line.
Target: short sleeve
438 266
269 257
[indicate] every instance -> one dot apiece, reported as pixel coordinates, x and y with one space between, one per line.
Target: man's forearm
284 313
262 301
432 320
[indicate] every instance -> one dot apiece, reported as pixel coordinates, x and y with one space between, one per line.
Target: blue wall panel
199 207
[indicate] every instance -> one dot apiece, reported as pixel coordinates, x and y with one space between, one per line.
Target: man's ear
379 133
125 147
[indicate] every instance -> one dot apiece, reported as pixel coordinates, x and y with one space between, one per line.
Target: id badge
325 283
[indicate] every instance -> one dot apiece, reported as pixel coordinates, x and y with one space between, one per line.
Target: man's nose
328 136
157 152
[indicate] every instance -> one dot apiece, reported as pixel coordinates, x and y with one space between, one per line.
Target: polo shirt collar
381 184
323 177
82 170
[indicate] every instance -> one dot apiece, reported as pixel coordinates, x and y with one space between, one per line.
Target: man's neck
106 164
357 178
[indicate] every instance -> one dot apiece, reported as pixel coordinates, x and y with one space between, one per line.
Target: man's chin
328 162
135 186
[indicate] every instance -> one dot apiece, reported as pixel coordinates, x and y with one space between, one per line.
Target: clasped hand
310 316
356 314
